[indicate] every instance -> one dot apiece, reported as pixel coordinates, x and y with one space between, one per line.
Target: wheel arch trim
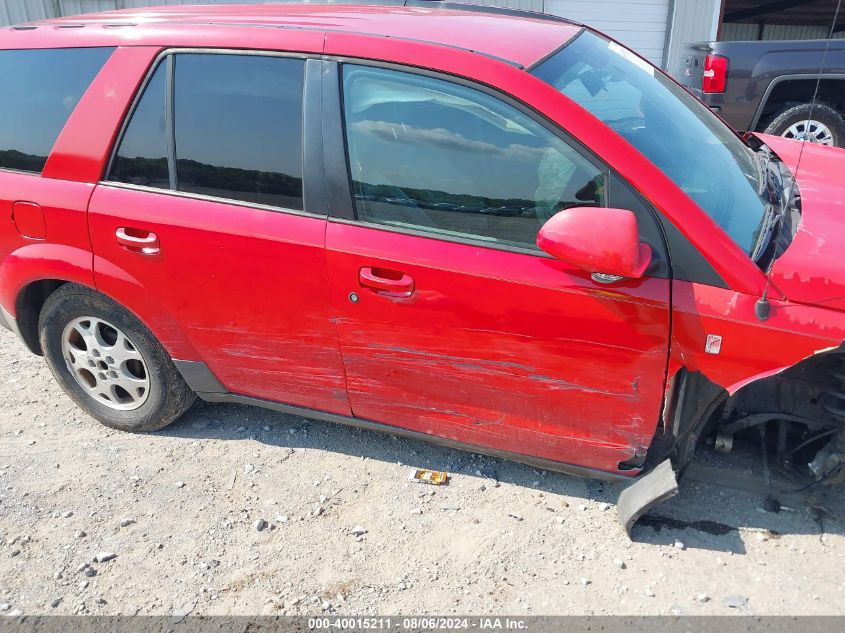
19 273
111 280
758 113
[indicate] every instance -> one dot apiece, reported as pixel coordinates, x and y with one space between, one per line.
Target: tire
826 125
95 348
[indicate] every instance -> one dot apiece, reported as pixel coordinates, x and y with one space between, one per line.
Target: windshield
669 126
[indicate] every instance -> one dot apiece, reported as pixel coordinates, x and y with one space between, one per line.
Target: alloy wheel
810 130
106 363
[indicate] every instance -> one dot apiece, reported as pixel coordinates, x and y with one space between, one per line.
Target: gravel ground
234 510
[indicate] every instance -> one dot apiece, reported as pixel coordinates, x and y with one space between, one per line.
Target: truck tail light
715 75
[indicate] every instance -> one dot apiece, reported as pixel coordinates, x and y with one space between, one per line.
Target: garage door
640 24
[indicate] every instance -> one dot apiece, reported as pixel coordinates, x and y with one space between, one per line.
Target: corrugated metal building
779 20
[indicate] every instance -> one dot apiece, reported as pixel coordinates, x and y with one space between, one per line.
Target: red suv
491 229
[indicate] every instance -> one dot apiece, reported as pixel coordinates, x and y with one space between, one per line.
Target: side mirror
597 240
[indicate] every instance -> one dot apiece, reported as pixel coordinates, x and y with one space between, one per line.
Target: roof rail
462 6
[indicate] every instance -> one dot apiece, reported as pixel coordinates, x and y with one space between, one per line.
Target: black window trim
38 174
23 172
327 187
169 120
341 201
311 100
531 67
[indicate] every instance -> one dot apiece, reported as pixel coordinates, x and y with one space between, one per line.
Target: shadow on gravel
722 518
703 515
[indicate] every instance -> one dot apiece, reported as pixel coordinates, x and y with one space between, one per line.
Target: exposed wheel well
28 307
696 405
803 406
792 92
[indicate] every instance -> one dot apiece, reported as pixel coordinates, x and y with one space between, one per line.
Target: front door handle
386 282
138 241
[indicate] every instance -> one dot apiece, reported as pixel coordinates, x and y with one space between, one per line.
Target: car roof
520 38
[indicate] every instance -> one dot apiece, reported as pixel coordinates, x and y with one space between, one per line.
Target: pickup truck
768 86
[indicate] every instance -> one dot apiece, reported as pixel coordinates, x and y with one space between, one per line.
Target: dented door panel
247 287
499 349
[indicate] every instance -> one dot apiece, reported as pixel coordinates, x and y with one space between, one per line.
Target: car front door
451 321
203 223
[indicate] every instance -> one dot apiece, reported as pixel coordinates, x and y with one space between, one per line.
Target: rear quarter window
38 91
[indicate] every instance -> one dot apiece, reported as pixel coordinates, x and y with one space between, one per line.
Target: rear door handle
391 283
138 241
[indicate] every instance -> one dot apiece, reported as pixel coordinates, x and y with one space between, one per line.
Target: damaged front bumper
829 464
645 493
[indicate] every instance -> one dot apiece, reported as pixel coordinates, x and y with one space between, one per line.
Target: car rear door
206 216
451 321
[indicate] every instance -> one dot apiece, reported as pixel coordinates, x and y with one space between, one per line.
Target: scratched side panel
247 287
510 351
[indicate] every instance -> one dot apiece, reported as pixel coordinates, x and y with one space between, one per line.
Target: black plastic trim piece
170 121
696 400
622 195
466 240
199 377
688 264
216 199
338 186
314 195
645 493
314 414
9 322
764 100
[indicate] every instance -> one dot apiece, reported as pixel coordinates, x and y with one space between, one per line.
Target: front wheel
817 123
109 363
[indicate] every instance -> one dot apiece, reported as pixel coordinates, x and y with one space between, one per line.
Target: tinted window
142 156
239 127
429 154
669 126
38 91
